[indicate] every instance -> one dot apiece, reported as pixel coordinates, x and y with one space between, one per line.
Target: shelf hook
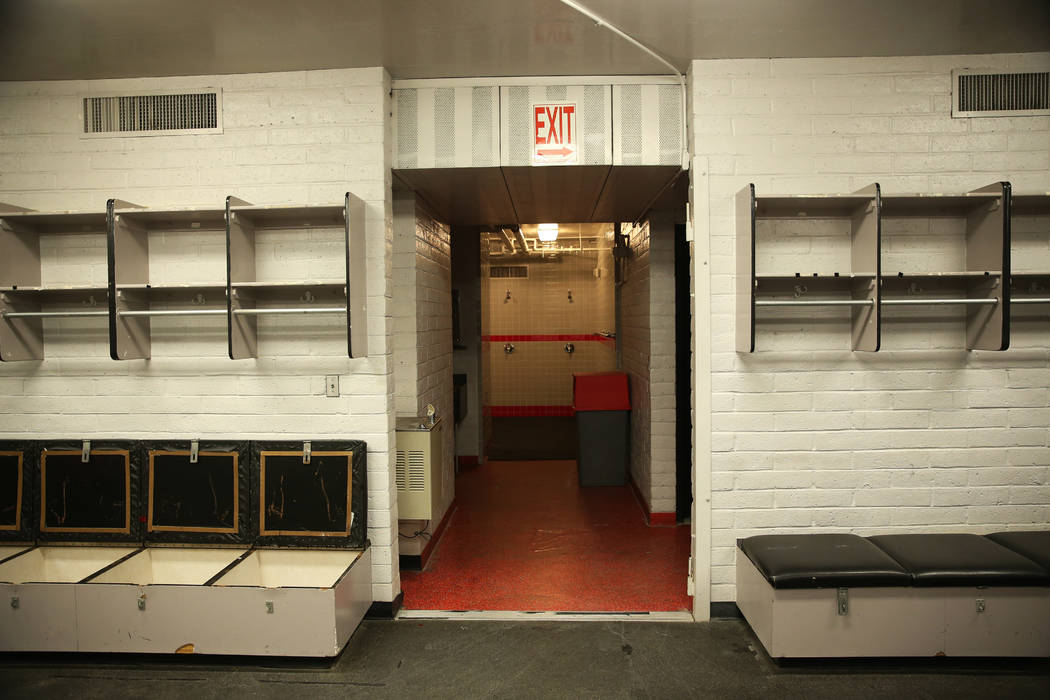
195 448
306 452
85 451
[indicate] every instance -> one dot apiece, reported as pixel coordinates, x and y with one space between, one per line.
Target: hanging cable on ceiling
602 22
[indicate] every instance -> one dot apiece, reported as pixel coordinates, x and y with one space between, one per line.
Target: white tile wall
806 435
298 137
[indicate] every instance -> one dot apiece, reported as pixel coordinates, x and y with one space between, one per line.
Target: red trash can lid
600 391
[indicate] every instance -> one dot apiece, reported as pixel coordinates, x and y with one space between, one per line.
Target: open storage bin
158 600
308 585
83 493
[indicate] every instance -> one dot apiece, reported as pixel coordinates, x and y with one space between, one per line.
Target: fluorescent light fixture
548 233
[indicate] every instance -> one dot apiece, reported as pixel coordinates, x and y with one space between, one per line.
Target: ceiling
563 194
78 39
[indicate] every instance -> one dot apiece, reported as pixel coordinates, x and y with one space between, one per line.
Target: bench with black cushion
822 561
1034 545
840 595
956 559
829 595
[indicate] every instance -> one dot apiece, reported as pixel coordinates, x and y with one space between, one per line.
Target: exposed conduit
601 22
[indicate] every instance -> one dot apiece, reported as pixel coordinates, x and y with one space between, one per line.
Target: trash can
603 422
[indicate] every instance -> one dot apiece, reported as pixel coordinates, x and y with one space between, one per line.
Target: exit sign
554 136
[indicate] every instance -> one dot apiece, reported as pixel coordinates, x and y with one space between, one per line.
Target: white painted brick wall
297 137
648 347
662 363
422 310
922 435
635 347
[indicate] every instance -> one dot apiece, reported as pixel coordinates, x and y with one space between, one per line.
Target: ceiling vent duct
509 272
154 114
985 94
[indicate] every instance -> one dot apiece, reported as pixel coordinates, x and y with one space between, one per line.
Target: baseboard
663 519
417 562
385 609
725 611
652 519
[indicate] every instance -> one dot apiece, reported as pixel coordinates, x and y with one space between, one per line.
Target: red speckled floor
525 536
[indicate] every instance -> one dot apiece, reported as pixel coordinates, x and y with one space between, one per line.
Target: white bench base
894 621
274 602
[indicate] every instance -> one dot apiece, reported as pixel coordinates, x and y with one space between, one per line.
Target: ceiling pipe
601 22
508 240
520 238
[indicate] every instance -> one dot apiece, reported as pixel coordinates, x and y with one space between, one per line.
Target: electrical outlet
331 385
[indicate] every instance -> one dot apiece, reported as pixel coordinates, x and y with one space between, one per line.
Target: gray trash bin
603 423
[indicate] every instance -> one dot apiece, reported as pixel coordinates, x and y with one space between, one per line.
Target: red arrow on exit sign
554 134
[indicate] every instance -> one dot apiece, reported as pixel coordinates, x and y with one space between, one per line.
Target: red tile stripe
552 338
527 411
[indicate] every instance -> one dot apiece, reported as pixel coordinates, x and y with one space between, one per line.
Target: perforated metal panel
648 122
153 114
593 121
446 127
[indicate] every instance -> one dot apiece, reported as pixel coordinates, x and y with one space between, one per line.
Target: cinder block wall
298 137
422 311
807 436
648 346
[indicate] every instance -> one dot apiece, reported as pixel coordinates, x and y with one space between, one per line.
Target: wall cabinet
108 276
882 255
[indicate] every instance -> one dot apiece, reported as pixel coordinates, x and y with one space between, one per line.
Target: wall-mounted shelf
249 297
120 286
26 299
854 217
978 283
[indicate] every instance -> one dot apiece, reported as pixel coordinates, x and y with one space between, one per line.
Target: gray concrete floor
470 659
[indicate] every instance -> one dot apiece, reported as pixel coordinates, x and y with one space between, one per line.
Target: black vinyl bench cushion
1034 545
957 559
822 561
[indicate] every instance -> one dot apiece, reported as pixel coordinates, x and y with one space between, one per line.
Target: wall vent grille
508 271
1001 94
153 115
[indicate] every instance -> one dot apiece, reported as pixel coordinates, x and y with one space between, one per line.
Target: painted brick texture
923 435
298 137
422 311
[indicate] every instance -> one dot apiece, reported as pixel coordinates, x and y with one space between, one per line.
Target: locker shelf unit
972 273
134 297
845 277
28 296
1030 271
112 279
251 293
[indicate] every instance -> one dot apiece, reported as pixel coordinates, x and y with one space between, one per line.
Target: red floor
525 536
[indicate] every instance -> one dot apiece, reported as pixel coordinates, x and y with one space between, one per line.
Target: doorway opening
522 534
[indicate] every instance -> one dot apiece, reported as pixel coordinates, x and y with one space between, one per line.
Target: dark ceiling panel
77 39
463 196
559 193
630 190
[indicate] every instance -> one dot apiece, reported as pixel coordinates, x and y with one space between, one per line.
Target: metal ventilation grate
151 115
410 472
1001 94
508 271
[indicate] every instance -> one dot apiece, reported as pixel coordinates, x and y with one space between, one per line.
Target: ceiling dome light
548 233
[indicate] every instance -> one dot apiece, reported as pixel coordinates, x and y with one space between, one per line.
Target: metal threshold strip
545 616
